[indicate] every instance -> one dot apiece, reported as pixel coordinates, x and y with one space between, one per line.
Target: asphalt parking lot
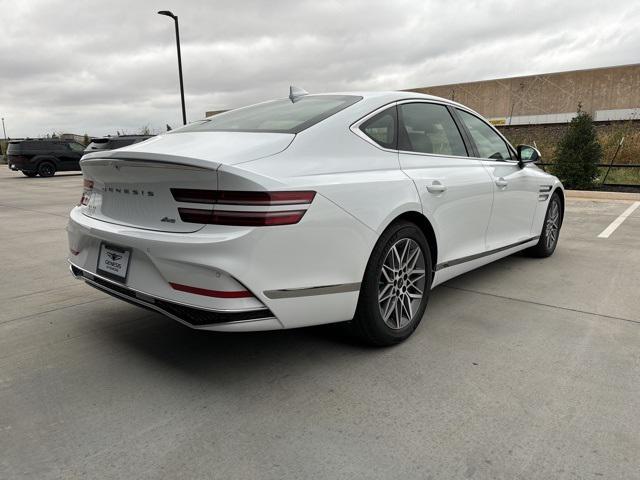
524 369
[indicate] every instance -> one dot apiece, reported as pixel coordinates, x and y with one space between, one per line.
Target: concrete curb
592 195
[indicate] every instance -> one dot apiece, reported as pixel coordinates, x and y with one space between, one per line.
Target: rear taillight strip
211 293
226 197
187 195
87 186
240 218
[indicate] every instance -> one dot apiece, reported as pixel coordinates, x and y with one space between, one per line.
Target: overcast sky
102 66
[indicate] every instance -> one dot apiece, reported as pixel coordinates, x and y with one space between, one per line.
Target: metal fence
611 174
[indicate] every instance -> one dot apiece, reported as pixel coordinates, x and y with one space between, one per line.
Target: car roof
44 140
393 95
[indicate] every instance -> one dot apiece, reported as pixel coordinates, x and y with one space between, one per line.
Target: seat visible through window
429 128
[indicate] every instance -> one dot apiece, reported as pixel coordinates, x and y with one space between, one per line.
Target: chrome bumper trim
311 291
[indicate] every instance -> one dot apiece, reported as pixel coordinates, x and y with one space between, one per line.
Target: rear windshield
119 143
278 116
13 148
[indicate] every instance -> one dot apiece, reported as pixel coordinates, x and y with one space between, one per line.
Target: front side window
278 116
76 147
382 127
429 128
488 142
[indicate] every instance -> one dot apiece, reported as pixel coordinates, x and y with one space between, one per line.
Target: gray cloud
98 67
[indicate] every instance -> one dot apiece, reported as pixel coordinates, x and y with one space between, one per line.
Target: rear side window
382 128
278 116
13 148
429 128
488 142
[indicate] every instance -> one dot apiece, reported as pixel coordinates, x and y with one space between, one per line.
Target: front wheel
550 230
395 287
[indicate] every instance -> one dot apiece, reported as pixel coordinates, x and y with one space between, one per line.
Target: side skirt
470 258
449 270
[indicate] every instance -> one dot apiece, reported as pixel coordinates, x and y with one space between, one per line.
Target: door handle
436 187
501 182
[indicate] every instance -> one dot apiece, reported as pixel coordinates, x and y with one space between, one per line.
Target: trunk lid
138 193
132 185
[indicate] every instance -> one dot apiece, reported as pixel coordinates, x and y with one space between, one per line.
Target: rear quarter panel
360 178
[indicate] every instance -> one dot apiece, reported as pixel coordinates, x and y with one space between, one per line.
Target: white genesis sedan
310 209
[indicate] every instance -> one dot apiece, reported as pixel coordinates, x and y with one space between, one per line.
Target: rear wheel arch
424 224
38 159
398 287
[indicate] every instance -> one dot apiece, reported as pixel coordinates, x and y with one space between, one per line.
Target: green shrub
578 153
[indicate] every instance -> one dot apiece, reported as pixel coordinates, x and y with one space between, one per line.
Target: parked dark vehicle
44 157
111 143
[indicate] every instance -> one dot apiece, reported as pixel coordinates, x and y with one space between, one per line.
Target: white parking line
618 221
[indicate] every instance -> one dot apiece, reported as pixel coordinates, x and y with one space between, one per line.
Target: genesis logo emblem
114 256
127 191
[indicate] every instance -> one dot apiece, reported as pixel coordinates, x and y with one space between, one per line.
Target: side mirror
527 154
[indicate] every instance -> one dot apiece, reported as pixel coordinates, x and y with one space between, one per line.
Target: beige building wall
610 93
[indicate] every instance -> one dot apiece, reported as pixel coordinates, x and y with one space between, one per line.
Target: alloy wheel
552 225
401 283
46 170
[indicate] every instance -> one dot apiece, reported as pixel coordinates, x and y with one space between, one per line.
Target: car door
516 189
456 190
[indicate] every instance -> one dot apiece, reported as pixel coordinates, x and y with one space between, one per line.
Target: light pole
4 131
167 13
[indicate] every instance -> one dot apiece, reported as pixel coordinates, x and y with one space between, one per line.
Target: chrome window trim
355 128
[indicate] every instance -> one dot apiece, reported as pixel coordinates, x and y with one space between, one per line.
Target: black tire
46 169
550 230
369 324
29 174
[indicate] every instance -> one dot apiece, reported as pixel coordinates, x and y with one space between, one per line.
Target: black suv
44 157
111 143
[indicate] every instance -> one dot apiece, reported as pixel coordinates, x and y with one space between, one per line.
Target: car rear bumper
297 275
193 317
20 163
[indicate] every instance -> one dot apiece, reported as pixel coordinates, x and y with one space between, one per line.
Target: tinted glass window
429 128
35 146
119 143
59 147
278 116
382 128
13 148
76 147
488 142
